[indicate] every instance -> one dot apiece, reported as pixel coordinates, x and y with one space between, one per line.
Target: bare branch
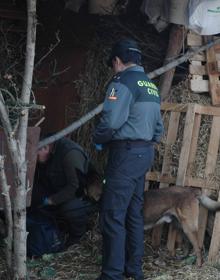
52 47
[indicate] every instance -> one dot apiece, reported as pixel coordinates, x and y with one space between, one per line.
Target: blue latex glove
45 201
98 147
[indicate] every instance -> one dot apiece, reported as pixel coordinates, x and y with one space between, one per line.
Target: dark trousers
76 214
71 216
121 217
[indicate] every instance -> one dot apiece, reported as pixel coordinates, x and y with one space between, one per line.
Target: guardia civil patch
112 95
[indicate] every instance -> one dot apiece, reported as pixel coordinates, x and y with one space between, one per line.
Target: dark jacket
64 174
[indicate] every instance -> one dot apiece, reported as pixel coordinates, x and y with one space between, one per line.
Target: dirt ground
83 262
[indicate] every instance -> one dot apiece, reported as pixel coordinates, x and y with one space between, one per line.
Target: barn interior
70 77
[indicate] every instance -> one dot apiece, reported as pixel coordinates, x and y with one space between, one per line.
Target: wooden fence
193 115
204 67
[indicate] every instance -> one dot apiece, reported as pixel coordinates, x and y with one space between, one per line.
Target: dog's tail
208 203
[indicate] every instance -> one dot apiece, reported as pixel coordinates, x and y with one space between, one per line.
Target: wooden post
209 169
215 241
196 128
171 138
186 145
213 73
172 234
183 164
176 40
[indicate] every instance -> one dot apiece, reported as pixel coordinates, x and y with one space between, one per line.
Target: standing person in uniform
130 125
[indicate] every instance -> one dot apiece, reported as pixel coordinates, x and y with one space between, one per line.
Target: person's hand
99 147
47 201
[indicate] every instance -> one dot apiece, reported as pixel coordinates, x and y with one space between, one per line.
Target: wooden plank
209 170
197 69
156 236
196 63
200 109
211 164
171 139
217 50
189 181
201 183
193 146
199 85
194 40
213 73
198 57
183 164
157 177
197 77
172 235
215 240
176 39
207 110
175 107
201 57
185 150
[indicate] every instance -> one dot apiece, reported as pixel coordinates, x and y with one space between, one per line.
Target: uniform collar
137 68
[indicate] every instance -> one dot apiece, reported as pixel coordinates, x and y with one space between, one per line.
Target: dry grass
83 262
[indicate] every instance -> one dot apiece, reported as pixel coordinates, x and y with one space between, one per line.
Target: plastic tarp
157 12
204 16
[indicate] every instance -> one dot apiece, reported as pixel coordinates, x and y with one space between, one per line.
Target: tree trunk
20 234
8 215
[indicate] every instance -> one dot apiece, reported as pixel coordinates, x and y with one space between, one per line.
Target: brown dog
161 205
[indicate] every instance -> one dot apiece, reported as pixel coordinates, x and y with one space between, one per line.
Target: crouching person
66 189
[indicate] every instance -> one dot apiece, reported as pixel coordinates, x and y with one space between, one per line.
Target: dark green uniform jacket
64 173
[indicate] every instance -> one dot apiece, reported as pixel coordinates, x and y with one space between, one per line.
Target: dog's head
94 188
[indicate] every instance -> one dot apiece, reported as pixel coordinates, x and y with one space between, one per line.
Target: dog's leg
188 217
193 237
